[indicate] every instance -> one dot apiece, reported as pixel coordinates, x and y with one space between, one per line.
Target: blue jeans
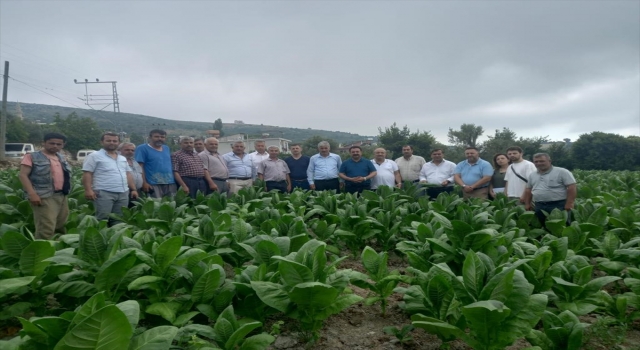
548 207
302 184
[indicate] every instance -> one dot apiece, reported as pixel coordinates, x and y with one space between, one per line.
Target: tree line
592 151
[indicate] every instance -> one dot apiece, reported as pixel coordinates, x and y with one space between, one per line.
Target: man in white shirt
438 172
517 174
259 154
409 165
387 172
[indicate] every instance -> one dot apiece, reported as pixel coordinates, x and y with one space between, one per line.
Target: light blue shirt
239 167
323 168
472 173
109 174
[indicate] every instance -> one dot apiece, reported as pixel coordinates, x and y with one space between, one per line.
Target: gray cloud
540 68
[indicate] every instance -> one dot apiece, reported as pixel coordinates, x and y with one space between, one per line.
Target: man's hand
468 189
312 187
399 185
492 194
35 199
134 194
213 187
444 183
289 187
185 189
90 195
146 187
522 199
568 206
527 206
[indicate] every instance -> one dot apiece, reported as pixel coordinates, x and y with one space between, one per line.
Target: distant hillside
141 124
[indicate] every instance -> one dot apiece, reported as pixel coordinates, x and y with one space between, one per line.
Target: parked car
17 150
83 153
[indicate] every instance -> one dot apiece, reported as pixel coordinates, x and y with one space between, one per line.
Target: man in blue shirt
357 172
473 175
323 170
107 179
241 168
157 172
298 165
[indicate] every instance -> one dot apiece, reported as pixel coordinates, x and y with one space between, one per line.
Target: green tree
605 151
467 136
310 145
82 133
505 138
217 125
137 139
16 129
560 154
393 138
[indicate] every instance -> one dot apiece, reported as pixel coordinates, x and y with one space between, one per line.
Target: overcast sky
556 68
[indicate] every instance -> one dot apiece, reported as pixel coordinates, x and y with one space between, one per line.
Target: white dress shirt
436 174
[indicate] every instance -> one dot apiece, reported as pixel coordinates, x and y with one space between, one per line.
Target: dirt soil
361 328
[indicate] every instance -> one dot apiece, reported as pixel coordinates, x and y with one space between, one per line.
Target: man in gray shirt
549 188
274 172
216 165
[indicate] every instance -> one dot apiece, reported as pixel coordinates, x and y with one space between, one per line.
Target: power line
40 58
42 86
44 92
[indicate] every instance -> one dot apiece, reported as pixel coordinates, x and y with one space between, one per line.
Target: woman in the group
500 166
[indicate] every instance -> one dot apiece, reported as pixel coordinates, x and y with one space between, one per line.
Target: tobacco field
271 271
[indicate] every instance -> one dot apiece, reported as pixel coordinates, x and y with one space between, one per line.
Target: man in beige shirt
274 172
410 165
216 165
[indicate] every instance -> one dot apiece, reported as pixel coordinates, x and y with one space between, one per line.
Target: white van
17 150
83 153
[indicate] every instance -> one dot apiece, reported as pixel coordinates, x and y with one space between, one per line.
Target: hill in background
141 124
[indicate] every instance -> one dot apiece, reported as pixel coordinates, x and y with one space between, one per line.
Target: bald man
387 172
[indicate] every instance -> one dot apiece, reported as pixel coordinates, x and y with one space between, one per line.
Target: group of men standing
119 172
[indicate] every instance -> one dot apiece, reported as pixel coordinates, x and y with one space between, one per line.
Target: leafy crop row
208 272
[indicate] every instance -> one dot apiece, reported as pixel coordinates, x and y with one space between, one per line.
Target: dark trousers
332 184
355 187
223 186
434 192
195 184
302 184
548 207
280 186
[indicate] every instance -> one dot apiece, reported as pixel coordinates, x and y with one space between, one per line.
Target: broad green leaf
371 260
143 282
167 252
257 342
13 242
341 302
95 303
157 338
131 310
294 273
33 331
114 269
55 327
205 288
484 319
238 335
92 245
596 284
313 295
165 310
272 294
106 329
443 330
10 285
76 289
265 250
473 274
184 318
223 331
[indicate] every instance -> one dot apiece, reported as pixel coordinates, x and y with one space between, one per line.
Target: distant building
238 122
225 143
547 145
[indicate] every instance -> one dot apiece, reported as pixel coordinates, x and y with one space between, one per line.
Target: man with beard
298 165
409 165
357 172
216 165
198 145
517 174
45 177
107 179
438 171
155 159
189 170
473 175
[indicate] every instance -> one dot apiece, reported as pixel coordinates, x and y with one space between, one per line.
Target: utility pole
88 98
3 116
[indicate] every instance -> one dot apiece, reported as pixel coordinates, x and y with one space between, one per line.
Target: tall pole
3 116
